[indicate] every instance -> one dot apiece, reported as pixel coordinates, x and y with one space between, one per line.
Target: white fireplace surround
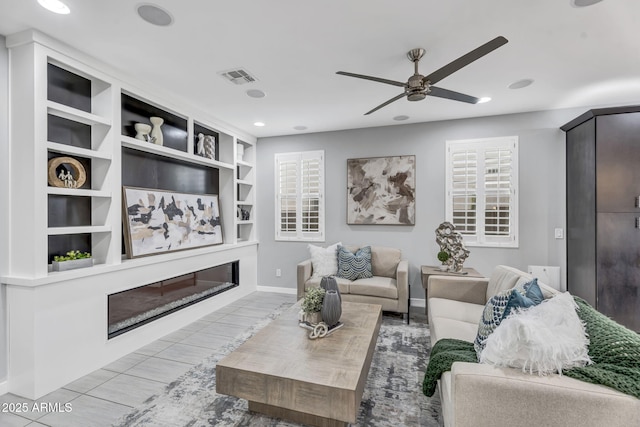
58 329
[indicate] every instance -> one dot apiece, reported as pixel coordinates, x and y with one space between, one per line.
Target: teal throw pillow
354 266
527 295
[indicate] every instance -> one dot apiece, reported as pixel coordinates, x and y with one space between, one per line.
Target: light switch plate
559 233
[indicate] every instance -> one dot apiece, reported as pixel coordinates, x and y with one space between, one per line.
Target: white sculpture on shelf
210 147
156 132
200 145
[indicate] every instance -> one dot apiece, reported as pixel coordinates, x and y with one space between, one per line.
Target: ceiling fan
419 86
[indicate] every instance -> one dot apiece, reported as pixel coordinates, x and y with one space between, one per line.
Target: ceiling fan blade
449 94
384 104
465 60
375 79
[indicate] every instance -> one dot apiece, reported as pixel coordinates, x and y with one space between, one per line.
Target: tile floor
105 395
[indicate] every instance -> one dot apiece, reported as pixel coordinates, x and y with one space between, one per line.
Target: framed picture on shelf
158 221
381 190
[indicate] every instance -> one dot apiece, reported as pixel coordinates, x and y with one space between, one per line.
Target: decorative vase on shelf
331 308
329 283
210 147
156 132
142 131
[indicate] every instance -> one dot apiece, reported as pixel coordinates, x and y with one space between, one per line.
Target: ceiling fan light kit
418 86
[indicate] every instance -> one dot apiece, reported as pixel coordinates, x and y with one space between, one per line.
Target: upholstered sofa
476 395
388 287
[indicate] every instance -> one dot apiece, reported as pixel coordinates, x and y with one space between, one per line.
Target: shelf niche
86 164
67 88
68 132
197 129
174 128
146 170
68 211
61 244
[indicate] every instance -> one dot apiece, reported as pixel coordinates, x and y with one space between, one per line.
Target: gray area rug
392 397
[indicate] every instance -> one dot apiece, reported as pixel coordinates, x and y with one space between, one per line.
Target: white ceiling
577 56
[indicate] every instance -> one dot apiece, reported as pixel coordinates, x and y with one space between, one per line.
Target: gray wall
542 192
4 179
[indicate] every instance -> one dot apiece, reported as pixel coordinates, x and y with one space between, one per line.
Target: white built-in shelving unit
66 103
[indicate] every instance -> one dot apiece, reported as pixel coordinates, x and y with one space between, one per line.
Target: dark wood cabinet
603 217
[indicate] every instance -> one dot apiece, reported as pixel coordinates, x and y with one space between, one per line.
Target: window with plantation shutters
300 196
481 190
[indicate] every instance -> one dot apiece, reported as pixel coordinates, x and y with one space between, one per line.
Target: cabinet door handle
637 222
637 202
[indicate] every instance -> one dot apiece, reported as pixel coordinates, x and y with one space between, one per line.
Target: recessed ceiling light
484 99
300 127
256 93
584 3
259 124
400 118
520 84
154 14
55 6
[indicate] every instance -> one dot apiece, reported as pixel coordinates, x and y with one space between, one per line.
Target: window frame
299 235
481 146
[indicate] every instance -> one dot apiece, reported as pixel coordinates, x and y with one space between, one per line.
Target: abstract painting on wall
381 190
157 221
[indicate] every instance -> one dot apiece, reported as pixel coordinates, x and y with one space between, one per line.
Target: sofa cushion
354 266
528 295
501 305
442 327
314 282
324 260
384 261
545 339
456 310
376 286
502 278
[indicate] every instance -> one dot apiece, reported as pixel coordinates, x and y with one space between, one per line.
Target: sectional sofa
477 395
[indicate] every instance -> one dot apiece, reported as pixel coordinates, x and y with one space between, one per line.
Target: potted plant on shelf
443 257
312 305
72 260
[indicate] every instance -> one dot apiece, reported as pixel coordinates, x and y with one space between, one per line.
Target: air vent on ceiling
238 76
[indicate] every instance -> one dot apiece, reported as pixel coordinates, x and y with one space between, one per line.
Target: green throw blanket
614 350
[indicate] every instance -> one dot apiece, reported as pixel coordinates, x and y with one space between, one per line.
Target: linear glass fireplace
134 307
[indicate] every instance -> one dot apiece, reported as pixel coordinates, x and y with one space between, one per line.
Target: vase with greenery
312 305
72 260
443 257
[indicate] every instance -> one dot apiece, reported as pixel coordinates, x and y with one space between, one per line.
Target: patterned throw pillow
501 305
354 266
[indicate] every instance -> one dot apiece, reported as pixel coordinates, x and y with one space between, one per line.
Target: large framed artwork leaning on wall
157 221
381 190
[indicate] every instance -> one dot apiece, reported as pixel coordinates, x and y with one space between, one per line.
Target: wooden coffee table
318 382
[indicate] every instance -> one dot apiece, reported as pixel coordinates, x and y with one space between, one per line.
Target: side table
428 270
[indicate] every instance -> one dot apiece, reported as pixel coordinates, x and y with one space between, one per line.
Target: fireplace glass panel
132 308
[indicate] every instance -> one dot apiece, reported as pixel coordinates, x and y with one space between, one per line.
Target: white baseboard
4 387
275 289
417 302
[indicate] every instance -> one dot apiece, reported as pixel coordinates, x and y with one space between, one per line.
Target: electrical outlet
559 233
278 272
